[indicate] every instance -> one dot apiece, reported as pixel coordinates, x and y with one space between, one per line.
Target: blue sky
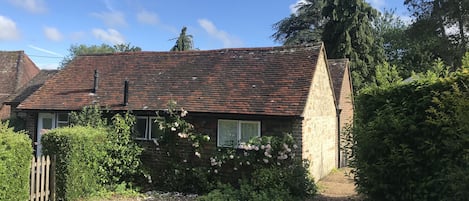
45 29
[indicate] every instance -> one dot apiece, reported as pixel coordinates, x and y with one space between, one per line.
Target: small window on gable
231 133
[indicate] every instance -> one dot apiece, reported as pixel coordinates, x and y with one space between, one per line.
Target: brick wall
153 156
320 141
4 112
346 102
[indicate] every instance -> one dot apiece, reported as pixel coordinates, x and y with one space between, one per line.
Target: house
342 82
271 90
22 93
16 69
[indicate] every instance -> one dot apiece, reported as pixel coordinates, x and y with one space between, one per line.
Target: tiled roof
266 81
34 84
16 69
337 68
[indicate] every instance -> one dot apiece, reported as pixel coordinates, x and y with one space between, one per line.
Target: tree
441 27
386 75
348 33
304 26
126 48
76 50
183 42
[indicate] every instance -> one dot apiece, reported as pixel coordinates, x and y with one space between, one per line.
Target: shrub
411 140
79 153
15 164
268 184
122 163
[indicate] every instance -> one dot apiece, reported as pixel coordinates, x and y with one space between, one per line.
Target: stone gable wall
319 126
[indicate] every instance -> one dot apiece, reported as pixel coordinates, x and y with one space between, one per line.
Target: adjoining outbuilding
16 70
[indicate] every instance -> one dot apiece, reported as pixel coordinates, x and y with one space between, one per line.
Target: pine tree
348 33
183 42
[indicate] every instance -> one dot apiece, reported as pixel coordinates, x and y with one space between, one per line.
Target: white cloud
146 17
8 29
211 29
52 34
33 6
110 36
294 7
45 50
112 18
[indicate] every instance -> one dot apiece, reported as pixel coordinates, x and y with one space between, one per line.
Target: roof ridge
195 52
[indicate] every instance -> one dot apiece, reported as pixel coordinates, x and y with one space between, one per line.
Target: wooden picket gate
42 179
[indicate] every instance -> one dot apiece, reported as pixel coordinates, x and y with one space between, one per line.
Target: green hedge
79 153
15 163
412 141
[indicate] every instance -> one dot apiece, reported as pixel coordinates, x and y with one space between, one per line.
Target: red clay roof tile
16 69
266 81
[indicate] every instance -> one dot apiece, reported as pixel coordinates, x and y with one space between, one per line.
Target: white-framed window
233 132
146 128
62 120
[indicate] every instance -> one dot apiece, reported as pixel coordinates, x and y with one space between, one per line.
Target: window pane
249 130
62 117
47 123
228 133
156 132
140 127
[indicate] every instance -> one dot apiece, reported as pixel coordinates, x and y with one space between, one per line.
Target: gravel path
337 186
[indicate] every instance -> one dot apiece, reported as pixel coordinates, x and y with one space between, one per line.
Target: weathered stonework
319 138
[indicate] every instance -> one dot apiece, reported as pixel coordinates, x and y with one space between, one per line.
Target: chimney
126 92
95 83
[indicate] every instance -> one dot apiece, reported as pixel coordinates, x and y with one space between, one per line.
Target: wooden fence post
52 178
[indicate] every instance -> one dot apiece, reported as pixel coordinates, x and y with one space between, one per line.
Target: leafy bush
15 164
91 116
79 153
122 163
268 184
259 152
412 140
181 170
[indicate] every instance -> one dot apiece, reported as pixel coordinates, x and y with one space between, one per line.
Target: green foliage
79 154
183 42
265 184
17 123
411 140
122 163
15 164
439 30
386 75
176 128
77 50
259 152
91 116
349 33
303 27
180 170
265 169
